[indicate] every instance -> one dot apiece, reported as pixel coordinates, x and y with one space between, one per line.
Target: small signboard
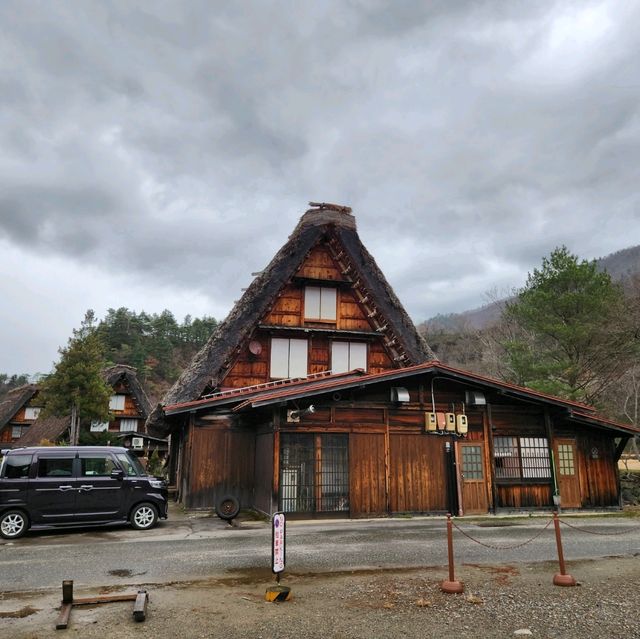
278 543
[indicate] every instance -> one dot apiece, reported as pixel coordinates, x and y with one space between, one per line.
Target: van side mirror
116 473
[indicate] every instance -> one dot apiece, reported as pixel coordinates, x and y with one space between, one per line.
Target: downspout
494 489
548 426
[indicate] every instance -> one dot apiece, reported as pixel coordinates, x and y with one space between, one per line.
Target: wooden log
140 606
63 617
100 599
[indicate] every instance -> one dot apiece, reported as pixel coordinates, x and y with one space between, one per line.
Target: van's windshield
130 464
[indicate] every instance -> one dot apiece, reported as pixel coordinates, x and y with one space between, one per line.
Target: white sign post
278 544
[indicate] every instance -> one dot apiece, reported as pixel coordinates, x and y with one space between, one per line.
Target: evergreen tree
568 332
76 386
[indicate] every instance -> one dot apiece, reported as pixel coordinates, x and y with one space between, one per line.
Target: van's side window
17 466
55 467
98 466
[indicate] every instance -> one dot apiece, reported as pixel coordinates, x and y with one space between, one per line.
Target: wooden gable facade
345 324
317 396
129 409
19 409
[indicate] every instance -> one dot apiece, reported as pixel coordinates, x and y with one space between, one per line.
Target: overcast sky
154 154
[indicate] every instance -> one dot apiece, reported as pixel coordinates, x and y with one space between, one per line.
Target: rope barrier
593 532
494 547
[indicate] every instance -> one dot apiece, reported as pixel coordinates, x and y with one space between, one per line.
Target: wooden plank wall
264 472
598 477
418 476
524 495
222 462
288 311
367 475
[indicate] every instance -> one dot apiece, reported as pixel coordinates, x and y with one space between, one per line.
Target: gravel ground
504 601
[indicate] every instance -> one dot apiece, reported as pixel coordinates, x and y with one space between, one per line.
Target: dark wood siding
524 495
367 475
417 473
264 472
598 475
222 462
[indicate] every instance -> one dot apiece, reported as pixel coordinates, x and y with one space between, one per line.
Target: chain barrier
494 547
593 532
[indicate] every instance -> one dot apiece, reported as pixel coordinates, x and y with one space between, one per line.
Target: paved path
197 548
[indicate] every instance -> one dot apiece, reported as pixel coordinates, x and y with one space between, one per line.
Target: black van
76 485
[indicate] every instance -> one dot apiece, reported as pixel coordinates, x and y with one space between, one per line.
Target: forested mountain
157 345
622 266
566 332
9 382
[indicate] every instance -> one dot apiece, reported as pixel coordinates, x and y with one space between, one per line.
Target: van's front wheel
144 516
13 524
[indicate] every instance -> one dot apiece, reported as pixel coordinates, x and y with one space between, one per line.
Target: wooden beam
620 448
494 490
100 599
63 617
387 463
140 605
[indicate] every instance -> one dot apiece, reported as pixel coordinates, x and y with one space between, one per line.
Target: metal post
67 591
451 586
562 578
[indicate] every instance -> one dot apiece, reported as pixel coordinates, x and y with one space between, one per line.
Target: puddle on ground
120 572
125 572
502 574
27 611
256 576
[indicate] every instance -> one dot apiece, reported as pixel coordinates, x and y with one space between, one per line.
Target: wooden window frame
320 319
278 340
349 344
519 444
127 430
114 400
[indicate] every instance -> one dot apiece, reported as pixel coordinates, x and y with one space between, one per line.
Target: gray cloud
181 142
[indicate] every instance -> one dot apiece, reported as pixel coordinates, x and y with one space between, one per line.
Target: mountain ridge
621 265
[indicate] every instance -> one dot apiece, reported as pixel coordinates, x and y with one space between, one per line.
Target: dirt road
497 602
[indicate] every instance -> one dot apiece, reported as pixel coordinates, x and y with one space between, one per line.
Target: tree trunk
74 435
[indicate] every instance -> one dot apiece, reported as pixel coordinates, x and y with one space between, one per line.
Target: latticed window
521 458
565 459
314 472
472 462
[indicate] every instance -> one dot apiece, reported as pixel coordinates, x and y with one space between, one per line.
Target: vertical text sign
278 543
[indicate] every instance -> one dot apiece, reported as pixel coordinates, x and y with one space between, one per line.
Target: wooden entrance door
567 470
472 481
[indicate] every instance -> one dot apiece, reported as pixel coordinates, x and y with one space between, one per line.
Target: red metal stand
561 578
451 585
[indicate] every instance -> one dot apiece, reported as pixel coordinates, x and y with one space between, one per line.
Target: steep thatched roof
51 428
114 374
207 368
14 400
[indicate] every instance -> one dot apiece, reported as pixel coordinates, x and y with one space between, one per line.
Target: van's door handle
65 487
86 487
